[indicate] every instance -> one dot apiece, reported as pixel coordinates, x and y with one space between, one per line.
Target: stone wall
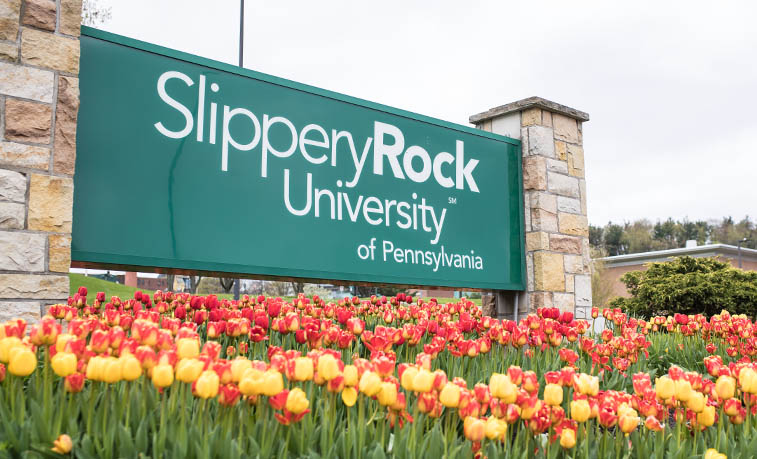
39 101
558 261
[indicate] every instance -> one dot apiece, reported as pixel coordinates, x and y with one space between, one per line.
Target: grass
95 285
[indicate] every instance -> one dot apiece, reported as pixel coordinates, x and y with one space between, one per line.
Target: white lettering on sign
316 146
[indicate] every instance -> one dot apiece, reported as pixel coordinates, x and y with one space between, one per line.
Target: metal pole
738 250
241 33
237 282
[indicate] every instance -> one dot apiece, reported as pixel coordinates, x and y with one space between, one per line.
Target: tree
614 239
93 14
689 285
194 281
601 285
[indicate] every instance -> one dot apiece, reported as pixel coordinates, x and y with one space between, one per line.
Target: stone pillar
39 101
558 261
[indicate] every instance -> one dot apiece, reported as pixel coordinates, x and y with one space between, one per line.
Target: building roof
710 250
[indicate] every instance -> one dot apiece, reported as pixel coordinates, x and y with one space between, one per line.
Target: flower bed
175 375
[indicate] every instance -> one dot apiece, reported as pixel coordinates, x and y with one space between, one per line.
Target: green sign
184 162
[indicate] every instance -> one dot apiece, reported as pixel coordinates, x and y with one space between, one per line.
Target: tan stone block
8 52
70 17
27 121
10 11
65 125
530 117
51 51
561 150
576 225
534 173
51 203
59 253
582 188
549 272
569 283
574 264
564 301
546 118
26 82
31 286
12 186
564 244
27 310
20 155
575 160
541 220
40 14
12 215
537 240
544 201
539 300
21 251
565 128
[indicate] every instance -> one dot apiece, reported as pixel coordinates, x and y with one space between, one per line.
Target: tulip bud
748 380
683 390
628 423
297 401
587 384
350 375
423 381
273 383
388 394
187 348
568 438
206 385
408 377
553 394
696 402
706 417
725 387
303 369
328 368
62 445
238 367
495 428
450 395
131 369
580 411
74 383
162 375
665 388
370 383
474 429
22 361
349 396
63 363
712 453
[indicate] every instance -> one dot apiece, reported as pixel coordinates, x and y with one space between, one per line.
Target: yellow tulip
350 375
407 378
238 367
188 370
423 381
553 394
187 348
664 387
131 369
272 383
349 396
450 395
580 411
370 383
162 375
22 361
297 402
96 368
328 367
706 417
207 384
748 380
388 394
62 445
495 428
587 384
303 369
696 402
111 370
725 387
568 438
6 344
63 363
683 390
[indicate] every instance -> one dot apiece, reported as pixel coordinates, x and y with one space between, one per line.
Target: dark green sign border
114 260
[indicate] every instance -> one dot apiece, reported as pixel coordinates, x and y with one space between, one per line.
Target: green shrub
689 285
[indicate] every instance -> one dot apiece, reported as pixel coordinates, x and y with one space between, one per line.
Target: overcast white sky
671 87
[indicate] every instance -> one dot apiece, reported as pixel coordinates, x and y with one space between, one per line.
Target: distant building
618 265
150 284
